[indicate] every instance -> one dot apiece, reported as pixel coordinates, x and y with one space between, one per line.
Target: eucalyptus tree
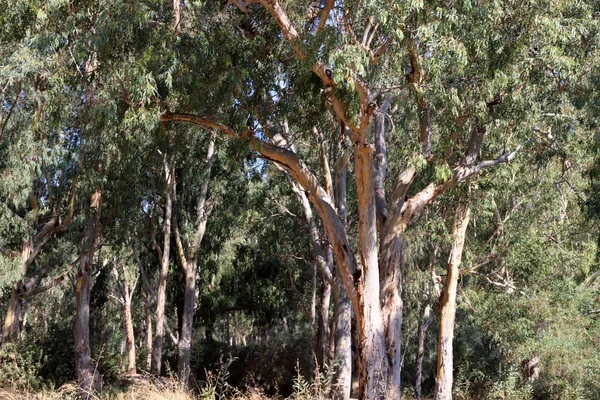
460 74
188 242
443 85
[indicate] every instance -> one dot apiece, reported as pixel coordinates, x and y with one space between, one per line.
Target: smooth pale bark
126 297
189 263
374 367
150 298
380 160
343 307
164 269
443 379
322 349
148 308
343 344
88 378
379 328
177 17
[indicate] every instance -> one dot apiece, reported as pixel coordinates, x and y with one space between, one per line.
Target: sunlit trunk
374 367
443 379
129 333
343 344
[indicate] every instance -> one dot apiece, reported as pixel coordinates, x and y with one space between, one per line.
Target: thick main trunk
374 368
162 284
88 378
392 263
343 305
190 266
184 346
443 379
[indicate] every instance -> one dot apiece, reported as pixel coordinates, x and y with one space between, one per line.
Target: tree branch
317 195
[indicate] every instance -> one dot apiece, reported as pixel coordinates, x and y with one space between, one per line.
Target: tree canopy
312 188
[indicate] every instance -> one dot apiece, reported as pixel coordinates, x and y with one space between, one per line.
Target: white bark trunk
443 384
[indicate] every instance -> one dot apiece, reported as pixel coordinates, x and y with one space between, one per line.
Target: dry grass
62 393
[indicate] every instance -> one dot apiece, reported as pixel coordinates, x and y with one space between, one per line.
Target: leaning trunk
443 379
88 378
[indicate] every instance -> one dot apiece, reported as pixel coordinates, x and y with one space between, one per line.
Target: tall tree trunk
129 334
88 378
190 266
147 304
184 346
443 379
162 284
323 329
374 366
343 306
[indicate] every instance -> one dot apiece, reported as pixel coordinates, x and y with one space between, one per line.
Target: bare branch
381 50
325 14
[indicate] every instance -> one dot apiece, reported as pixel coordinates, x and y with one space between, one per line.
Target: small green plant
302 388
216 387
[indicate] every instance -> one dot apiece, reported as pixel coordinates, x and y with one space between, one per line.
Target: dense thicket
401 194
